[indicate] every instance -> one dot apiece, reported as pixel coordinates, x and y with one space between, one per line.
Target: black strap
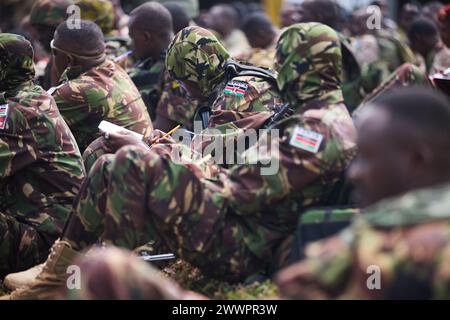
235 69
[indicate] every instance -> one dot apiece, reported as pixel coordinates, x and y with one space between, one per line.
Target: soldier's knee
93 152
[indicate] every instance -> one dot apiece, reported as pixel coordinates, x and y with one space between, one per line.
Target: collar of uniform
74 72
149 62
11 93
414 207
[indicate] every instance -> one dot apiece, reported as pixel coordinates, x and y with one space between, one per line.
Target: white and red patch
3 115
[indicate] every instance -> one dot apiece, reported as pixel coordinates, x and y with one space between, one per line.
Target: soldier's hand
158 136
117 140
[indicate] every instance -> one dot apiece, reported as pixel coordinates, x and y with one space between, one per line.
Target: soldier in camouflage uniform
398 248
92 87
40 164
198 60
235 102
407 75
45 16
102 13
229 227
151 31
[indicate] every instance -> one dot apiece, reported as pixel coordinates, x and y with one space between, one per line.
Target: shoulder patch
236 88
3 115
306 139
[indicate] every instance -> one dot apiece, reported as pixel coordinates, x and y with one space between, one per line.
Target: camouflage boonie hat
197 56
99 11
49 12
309 63
16 61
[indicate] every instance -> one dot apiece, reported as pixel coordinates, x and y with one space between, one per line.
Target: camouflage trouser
95 150
136 196
406 75
21 246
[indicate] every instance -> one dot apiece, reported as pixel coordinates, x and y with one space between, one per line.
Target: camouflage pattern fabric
162 95
262 57
229 226
49 12
392 54
40 164
406 238
175 104
102 13
99 11
117 274
313 71
405 76
195 55
104 92
148 75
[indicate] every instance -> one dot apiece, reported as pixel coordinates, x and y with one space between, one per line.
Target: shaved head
150 29
85 41
404 144
152 17
83 47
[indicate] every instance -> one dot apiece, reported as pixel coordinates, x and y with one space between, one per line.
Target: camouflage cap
196 55
99 11
309 62
49 12
16 61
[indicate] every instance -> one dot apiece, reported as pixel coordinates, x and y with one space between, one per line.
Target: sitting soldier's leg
21 246
153 198
94 151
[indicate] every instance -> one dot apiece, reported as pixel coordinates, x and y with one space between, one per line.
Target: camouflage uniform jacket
240 102
162 95
404 239
40 164
101 93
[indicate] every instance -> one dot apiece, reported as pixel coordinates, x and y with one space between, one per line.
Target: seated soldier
151 31
101 12
425 40
227 100
45 16
40 164
230 227
262 37
326 12
92 87
223 19
398 248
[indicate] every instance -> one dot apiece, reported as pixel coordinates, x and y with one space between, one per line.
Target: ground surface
190 278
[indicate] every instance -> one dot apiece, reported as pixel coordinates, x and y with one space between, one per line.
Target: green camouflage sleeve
175 105
308 149
324 273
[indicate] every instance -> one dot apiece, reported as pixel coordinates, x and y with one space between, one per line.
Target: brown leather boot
51 281
17 280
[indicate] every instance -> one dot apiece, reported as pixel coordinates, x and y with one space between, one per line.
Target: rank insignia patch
3 115
305 139
236 88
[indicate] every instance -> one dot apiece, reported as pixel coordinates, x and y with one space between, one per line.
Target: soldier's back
41 165
106 93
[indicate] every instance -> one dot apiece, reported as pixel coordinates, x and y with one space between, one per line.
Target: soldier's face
140 41
381 168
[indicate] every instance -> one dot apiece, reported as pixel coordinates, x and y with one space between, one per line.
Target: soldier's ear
147 35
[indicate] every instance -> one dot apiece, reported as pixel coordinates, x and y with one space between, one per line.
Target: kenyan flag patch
305 139
236 88
3 115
